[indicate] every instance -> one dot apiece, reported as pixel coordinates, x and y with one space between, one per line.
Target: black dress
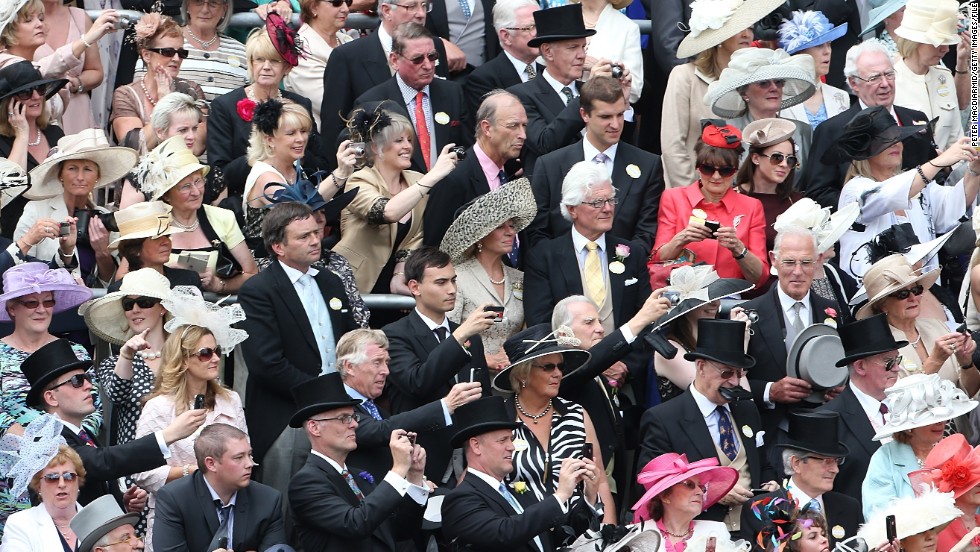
13 210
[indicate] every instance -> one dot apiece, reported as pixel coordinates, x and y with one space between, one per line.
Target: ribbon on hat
716 133
780 520
923 404
692 281
564 336
677 465
22 457
34 280
710 14
759 58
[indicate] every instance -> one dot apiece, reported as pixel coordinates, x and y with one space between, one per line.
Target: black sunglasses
32 304
144 302
777 158
903 294
182 53
710 170
337 3
417 60
76 381
204 354
25 95
550 367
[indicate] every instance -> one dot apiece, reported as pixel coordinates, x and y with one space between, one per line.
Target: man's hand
463 393
416 474
736 496
401 452
832 393
572 471
135 499
454 56
789 390
618 372
184 425
478 321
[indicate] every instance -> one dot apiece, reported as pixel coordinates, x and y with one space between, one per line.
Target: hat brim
744 361
539 40
914 515
114 163
718 289
865 354
796 349
926 251
728 103
888 138
829 36
720 480
840 222
920 37
105 316
67 297
840 451
460 437
927 278
34 394
747 15
52 86
332 208
572 359
308 412
512 201
878 15
88 543
955 410
179 175
148 233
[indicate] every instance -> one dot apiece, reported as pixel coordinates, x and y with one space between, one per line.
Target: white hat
715 21
750 65
104 316
146 219
913 515
188 307
828 228
166 165
919 400
930 22
90 145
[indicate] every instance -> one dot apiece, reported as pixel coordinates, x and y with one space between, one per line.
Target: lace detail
376 215
822 287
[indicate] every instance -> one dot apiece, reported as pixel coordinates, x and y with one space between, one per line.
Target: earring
523 384
479 247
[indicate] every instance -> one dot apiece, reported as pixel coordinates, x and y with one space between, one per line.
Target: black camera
460 152
617 71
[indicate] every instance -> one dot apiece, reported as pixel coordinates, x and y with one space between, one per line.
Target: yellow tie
595 285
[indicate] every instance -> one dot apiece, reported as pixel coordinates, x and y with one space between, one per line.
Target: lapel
568 264
335 479
286 291
698 433
616 281
46 531
329 294
548 98
478 179
441 102
379 69
241 517
620 178
423 335
856 421
772 326
207 506
493 495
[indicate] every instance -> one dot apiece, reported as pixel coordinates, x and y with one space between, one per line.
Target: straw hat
104 316
667 470
890 275
538 341
952 466
880 11
90 145
913 515
165 166
513 200
829 228
699 285
919 400
715 21
763 133
97 519
750 65
147 219
808 29
930 22
27 278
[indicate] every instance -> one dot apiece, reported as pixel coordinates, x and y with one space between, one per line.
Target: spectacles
550 367
805 264
209 3
710 170
876 78
144 302
260 61
424 6
345 419
893 363
903 294
128 539
600 203
25 95
204 354
691 485
182 53
527 29
727 373
32 304
767 83
55 477
777 158
196 184
827 461
417 60
76 381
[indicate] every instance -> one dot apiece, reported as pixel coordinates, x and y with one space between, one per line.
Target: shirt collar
294 275
354 393
487 478
490 169
870 405
72 427
431 324
409 93
694 195
519 65
704 403
214 495
891 110
802 499
336 466
591 151
557 85
787 302
579 241
385 40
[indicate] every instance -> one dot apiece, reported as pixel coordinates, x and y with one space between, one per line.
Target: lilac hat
29 278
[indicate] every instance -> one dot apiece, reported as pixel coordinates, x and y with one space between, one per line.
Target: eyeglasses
903 294
213 4
25 95
345 419
196 184
876 78
338 3
550 367
424 6
893 363
527 29
32 304
827 461
710 170
55 477
727 373
767 83
260 61
144 302
691 485
204 354
127 539
182 53
790 264
600 203
777 158
76 381
417 60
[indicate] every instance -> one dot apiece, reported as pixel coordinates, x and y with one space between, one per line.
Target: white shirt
709 411
385 40
495 485
591 151
579 242
559 86
871 407
802 499
521 67
231 512
419 494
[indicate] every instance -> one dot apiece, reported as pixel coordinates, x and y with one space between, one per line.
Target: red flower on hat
955 476
246 109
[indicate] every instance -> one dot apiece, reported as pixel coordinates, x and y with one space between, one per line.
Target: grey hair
788 454
488 106
505 12
794 231
561 317
170 105
222 25
353 345
581 178
859 49
102 542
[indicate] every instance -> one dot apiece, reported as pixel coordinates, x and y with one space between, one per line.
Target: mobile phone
498 310
890 531
64 229
411 438
710 546
472 374
962 329
587 451
758 491
223 542
712 225
198 402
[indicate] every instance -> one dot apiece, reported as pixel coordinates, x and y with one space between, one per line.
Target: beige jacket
681 126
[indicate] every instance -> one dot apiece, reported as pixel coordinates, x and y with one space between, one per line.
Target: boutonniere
367 477
617 266
519 289
246 109
441 118
520 487
831 319
633 170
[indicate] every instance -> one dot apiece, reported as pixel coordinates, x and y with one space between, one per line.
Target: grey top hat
101 515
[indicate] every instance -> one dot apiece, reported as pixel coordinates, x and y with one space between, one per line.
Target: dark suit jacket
328 516
423 370
104 465
839 510
465 183
666 36
678 426
186 518
476 517
496 73
373 436
822 183
437 21
283 353
855 431
550 123
639 198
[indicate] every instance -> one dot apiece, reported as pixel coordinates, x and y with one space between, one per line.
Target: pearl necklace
534 417
149 355
250 93
147 92
185 227
204 44
37 139
496 282
675 535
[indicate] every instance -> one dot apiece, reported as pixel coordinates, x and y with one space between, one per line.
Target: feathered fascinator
781 521
165 166
306 192
22 457
363 124
807 29
284 39
189 308
266 116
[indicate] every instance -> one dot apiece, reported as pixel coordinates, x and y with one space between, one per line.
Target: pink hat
952 466
667 470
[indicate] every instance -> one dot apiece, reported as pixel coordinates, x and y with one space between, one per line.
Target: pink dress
78 115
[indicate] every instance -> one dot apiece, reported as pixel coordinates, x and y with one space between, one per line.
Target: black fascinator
363 124
266 116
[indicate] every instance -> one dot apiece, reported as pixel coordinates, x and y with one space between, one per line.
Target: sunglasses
417 60
777 158
550 367
727 373
893 363
25 95
710 170
767 83
338 3
32 304
55 477
691 485
76 381
144 302
182 53
205 353
903 294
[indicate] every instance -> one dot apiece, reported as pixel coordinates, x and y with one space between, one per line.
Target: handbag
660 270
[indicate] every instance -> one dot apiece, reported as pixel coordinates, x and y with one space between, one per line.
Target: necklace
675 535
496 282
534 417
205 44
37 139
917 340
149 355
147 92
251 94
185 227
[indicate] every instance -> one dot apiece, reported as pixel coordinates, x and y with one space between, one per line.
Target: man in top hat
339 507
811 456
551 102
709 420
871 357
61 385
485 513
103 527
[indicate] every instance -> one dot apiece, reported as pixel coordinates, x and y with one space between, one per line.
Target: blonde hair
8 34
65 455
707 62
906 47
518 375
259 44
6 129
292 114
863 168
399 124
172 381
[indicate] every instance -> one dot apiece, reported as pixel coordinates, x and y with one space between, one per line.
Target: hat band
155 225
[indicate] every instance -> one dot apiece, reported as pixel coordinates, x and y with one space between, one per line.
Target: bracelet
741 255
129 358
958 70
940 166
973 172
966 366
81 87
64 255
86 43
187 470
423 185
339 183
922 175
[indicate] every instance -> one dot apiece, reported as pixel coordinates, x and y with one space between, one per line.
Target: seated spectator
214 60
144 242
14 181
102 524
785 526
617 39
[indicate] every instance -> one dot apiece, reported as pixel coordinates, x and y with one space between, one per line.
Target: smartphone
587 451
758 491
498 310
198 402
710 546
64 229
411 438
712 225
223 542
962 329
890 531
472 375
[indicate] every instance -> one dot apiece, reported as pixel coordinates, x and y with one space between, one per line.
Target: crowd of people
707 289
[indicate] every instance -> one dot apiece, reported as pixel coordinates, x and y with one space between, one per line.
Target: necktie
797 319
568 95
86 438
501 178
352 484
372 409
224 519
517 507
530 71
726 433
422 129
814 505
595 284
440 333
600 159
465 6
883 408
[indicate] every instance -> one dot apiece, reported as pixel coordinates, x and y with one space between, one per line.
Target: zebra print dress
538 467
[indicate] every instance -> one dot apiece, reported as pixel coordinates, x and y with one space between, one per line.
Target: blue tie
726 433
465 6
372 409
517 507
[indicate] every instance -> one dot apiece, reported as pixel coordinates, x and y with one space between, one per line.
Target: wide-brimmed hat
763 133
105 316
166 165
9 11
913 515
868 337
919 400
14 181
27 278
98 518
699 285
828 228
932 22
559 23
899 238
188 307
21 76
808 29
715 21
89 145
146 219
47 363
538 341
870 132
721 341
815 432
953 466
479 417
813 358
667 470
880 11
513 200
23 456
889 275
749 65
324 393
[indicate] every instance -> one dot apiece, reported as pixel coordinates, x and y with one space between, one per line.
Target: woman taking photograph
918 522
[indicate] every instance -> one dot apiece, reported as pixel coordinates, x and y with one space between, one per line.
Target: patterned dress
126 396
538 467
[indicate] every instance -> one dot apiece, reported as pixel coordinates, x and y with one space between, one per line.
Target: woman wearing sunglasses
200 332
709 220
160 43
33 293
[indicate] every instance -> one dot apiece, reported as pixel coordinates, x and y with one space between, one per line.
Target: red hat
952 466
719 135
667 470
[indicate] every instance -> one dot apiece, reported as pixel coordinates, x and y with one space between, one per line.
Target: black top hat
319 395
21 76
867 337
538 341
47 363
870 132
561 23
722 341
479 417
814 432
